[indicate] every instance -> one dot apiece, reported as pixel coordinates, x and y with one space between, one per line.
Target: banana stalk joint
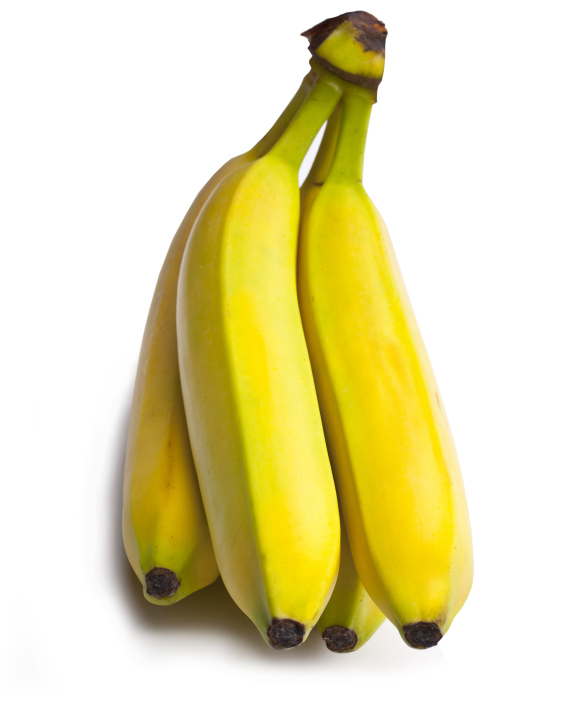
351 46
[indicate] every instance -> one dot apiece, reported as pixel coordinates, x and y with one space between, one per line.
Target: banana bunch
286 429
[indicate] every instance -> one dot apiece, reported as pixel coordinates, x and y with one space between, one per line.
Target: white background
114 115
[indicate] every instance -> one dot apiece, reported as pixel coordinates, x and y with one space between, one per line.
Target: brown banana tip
422 635
284 633
161 583
370 32
339 639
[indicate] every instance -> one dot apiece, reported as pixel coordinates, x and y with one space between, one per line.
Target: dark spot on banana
161 583
340 639
284 633
422 635
370 32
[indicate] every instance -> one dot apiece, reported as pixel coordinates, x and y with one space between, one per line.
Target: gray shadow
209 611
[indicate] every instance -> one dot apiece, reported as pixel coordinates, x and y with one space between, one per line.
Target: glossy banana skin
399 482
164 523
252 411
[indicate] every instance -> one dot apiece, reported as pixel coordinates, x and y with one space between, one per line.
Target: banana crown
352 46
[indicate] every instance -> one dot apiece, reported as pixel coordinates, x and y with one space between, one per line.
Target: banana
392 453
350 617
165 531
248 390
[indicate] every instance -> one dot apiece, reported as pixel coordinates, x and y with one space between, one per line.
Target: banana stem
282 122
350 150
320 103
322 163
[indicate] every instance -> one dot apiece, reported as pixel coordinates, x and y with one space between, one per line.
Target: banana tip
339 639
284 633
422 635
161 583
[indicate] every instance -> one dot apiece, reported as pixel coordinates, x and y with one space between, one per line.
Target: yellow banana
350 617
249 395
164 526
393 457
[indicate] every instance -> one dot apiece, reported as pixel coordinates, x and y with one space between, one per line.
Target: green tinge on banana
165 531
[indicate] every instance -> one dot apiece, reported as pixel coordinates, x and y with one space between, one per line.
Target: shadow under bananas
209 611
